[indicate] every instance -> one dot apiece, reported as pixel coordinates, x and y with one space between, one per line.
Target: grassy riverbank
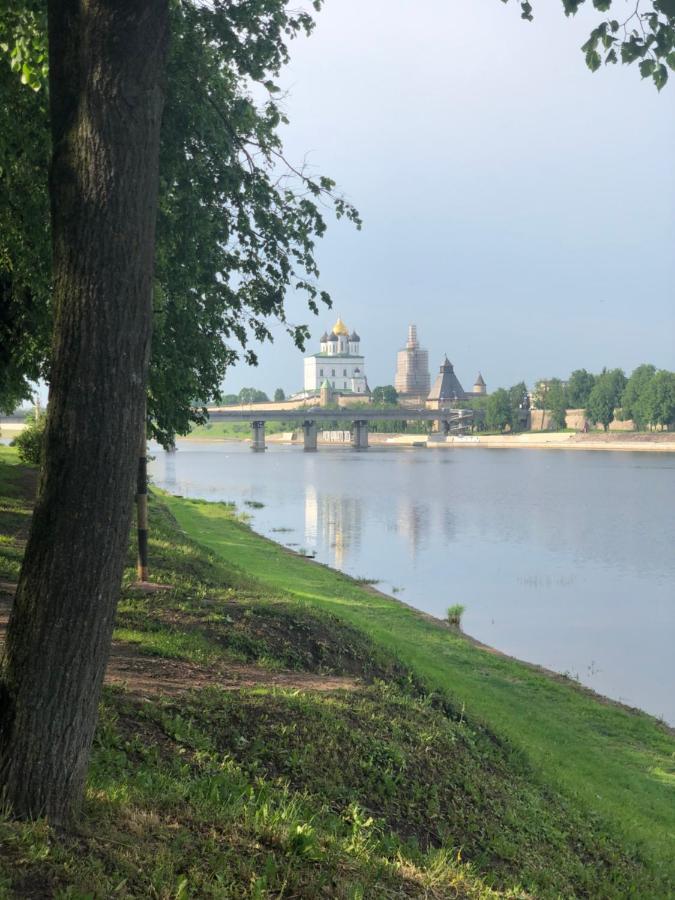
620 764
231 431
272 729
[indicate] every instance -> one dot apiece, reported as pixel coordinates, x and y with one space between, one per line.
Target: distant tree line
647 397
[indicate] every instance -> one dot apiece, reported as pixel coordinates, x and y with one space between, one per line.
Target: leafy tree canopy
237 222
556 403
661 394
605 396
579 387
541 392
385 394
636 397
649 397
499 413
279 395
252 395
642 33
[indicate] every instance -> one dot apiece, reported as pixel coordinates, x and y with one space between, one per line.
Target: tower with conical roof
446 388
412 370
479 386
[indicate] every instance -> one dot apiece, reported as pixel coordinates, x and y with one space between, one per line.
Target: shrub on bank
455 613
29 442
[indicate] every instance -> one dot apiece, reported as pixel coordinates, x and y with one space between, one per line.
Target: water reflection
333 521
412 520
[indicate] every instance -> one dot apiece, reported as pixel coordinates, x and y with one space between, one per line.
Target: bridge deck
317 414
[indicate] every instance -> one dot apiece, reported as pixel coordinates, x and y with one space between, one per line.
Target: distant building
447 388
412 380
479 387
339 364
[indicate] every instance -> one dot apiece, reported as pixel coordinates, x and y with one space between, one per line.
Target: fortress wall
540 420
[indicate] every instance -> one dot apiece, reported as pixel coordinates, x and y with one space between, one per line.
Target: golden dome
340 328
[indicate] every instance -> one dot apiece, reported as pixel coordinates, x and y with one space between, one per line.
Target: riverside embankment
236 688
618 763
640 442
650 443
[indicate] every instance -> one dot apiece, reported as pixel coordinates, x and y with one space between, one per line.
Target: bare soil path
151 676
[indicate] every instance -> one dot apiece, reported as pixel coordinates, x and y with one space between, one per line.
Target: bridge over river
310 418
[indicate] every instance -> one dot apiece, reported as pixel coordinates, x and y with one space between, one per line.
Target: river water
561 558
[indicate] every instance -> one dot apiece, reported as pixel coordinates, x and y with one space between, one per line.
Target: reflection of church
334 520
338 364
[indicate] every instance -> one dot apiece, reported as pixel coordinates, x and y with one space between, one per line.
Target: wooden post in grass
142 506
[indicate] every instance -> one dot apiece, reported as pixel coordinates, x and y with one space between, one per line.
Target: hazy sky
519 209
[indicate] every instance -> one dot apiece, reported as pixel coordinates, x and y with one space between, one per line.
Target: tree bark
107 65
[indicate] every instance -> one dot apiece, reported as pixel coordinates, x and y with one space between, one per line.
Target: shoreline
553 720
662 442
459 632
428 618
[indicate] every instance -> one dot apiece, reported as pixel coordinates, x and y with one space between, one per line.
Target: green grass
603 757
407 785
454 614
237 431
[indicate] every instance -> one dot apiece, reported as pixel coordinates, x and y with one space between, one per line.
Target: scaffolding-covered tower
412 380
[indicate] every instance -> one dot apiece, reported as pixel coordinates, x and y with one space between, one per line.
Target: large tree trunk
107 64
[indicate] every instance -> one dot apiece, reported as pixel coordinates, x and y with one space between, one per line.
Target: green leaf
660 76
667 7
593 60
647 67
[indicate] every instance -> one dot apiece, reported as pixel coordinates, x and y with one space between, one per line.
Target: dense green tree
252 395
385 394
661 394
232 237
107 72
519 400
25 253
605 396
543 387
498 413
279 395
636 397
579 387
556 404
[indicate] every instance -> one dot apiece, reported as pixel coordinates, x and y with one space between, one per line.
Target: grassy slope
618 764
271 792
238 431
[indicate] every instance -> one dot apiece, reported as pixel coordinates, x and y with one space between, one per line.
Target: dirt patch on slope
151 676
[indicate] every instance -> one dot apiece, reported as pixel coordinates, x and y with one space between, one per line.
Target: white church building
338 362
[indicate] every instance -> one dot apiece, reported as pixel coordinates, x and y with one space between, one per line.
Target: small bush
455 613
29 442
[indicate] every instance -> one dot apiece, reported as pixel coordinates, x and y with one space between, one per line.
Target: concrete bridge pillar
360 434
258 436
309 431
